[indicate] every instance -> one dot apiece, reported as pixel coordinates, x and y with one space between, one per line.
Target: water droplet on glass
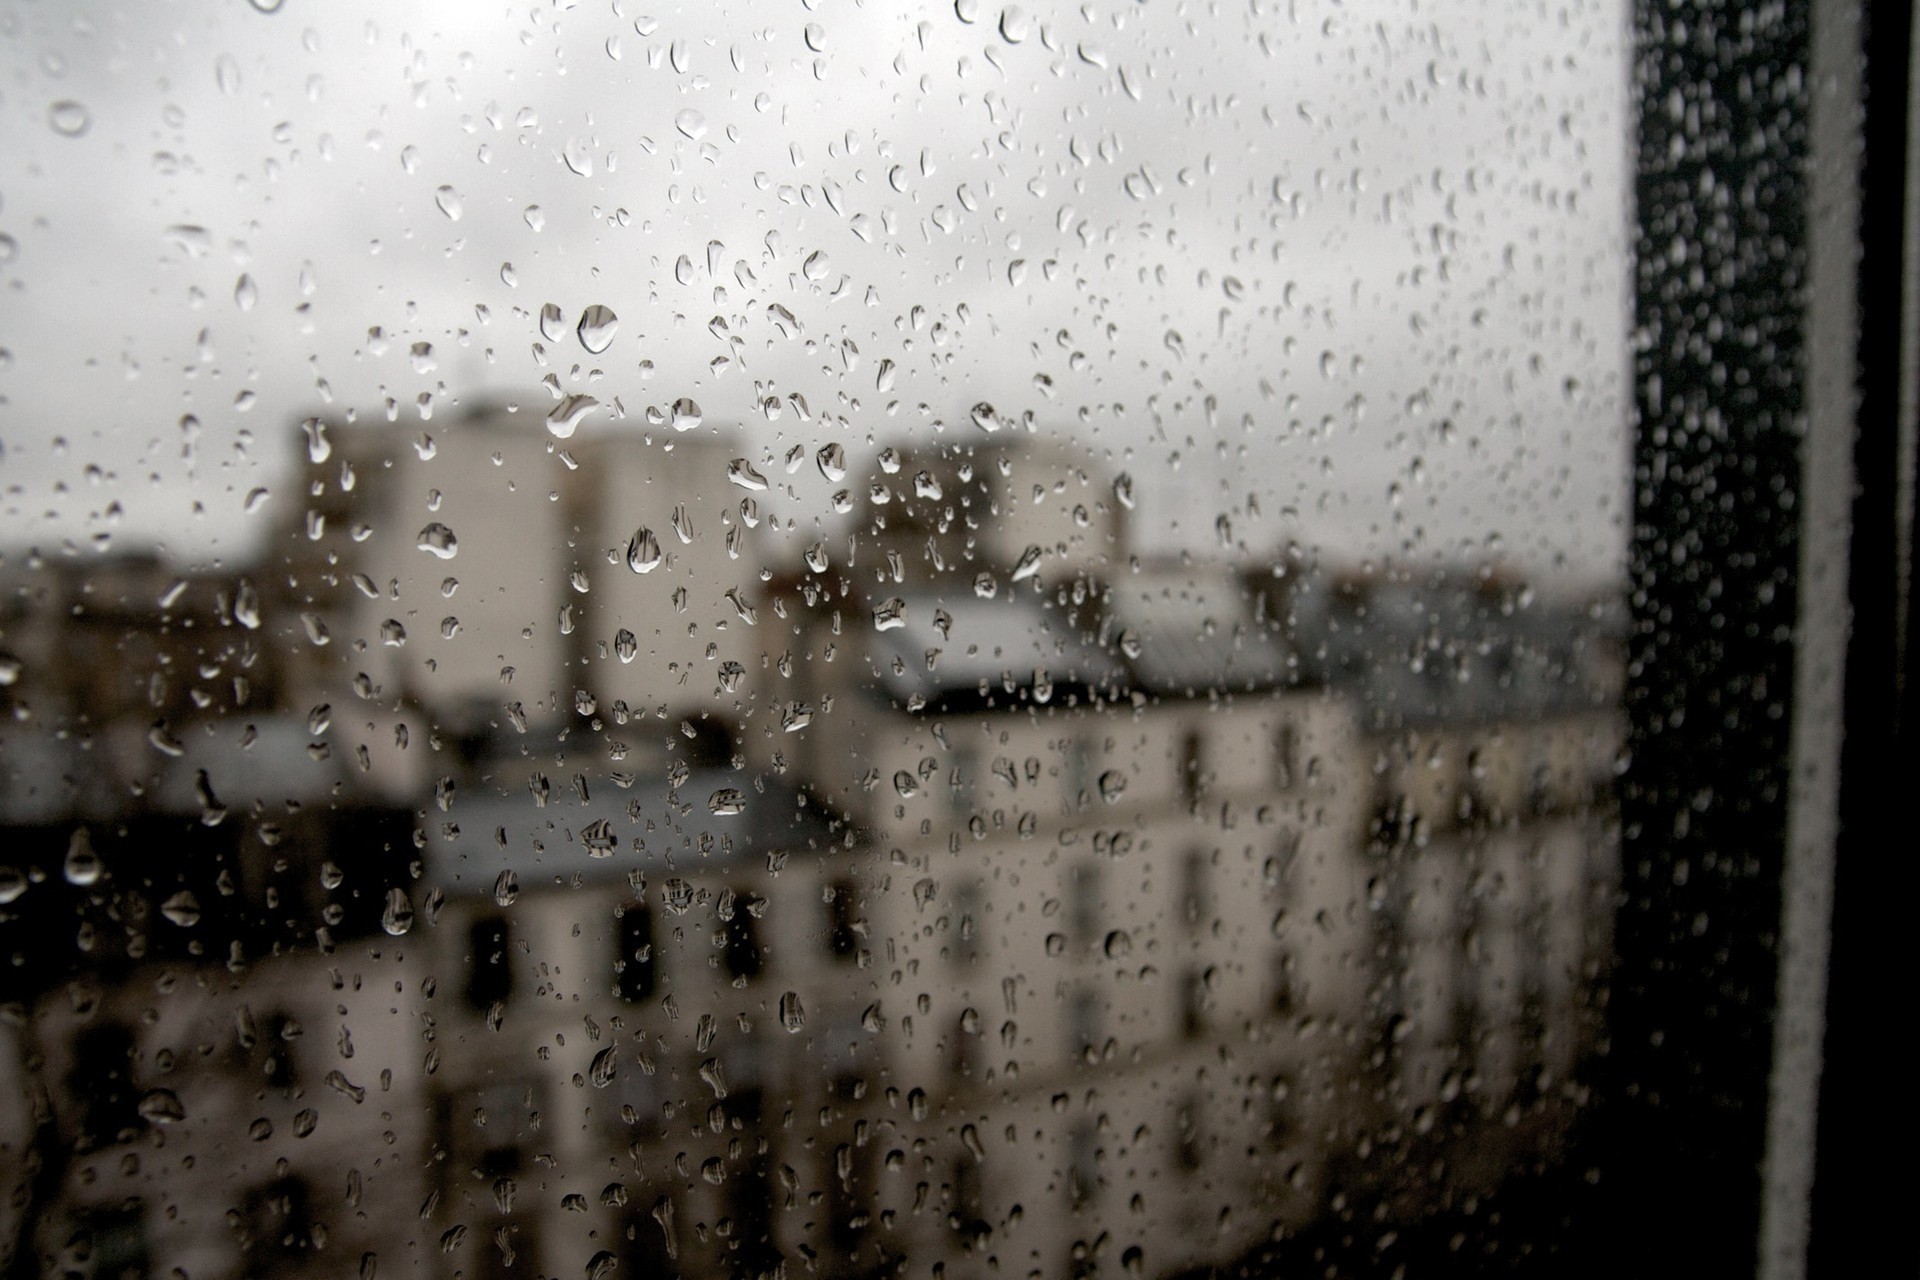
742 473
1123 489
1014 24
506 888
816 36
984 417
246 605
82 865
245 293
891 613
13 883
832 461
1112 784
792 1016
553 322
906 784
319 449
162 1106
643 554
967 11
596 327
1029 564
449 201
599 839
535 216
577 157
182 909
396 917
690 123
565 417
438 540
683 414
69 119
676 895
727 801
625 646
600 1074
345 1087
796 718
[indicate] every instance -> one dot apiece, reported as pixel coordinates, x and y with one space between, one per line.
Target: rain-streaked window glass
833 638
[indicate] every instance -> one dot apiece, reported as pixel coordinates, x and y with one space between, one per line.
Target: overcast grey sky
1361 264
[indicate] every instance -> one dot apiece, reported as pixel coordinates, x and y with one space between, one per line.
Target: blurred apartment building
931 884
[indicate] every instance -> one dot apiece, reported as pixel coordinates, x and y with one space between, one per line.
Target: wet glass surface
973 639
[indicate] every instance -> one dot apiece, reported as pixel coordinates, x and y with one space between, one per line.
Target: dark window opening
279 1223
743 942
844 924
636 968
651 1249
490 980
968 1217
102 1080
750 1195
116 1243
963 1046
967 907
1192 766
275 1054
1193 888
849 1181
499 1162
1286 748
1283 984
1083 1172
1189 1149
1280 1122
1193 1005
1083 1024
509 1249
1083 911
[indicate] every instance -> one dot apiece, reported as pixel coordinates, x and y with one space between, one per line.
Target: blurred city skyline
1387 320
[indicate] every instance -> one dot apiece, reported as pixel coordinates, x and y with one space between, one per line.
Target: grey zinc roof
989 646
1191 633
612 832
